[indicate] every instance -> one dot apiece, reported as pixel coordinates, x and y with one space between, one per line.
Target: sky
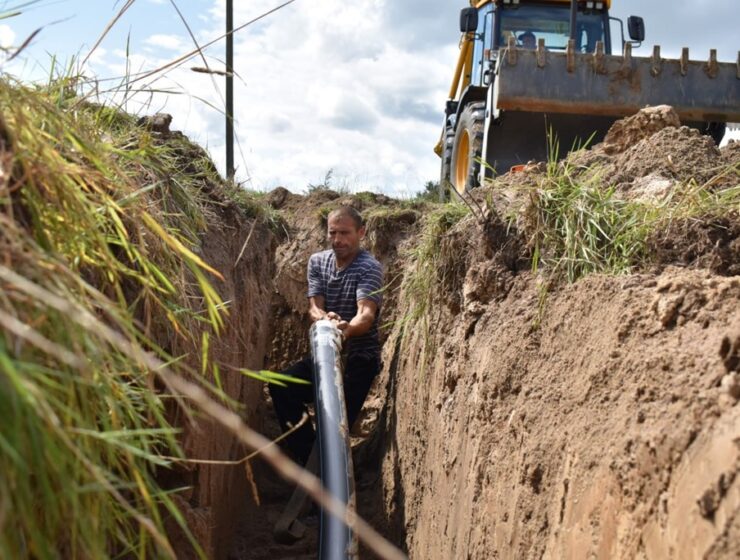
355 87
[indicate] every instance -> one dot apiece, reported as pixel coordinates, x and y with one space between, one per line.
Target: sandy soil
601 433
602 423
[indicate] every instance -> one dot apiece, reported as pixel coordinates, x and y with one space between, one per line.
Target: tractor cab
493 24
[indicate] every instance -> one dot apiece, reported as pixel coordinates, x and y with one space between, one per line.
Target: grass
253 205
430 260
99 219
430 267
578 225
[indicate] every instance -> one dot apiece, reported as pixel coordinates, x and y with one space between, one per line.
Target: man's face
344 236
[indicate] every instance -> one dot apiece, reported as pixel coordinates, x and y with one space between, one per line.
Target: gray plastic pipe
336 540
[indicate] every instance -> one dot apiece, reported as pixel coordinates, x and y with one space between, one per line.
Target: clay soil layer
604 433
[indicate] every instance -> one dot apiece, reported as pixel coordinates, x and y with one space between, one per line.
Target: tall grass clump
432 263
580 227
430 260
99 223
578 224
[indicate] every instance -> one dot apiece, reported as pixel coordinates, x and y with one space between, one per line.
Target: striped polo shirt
342 289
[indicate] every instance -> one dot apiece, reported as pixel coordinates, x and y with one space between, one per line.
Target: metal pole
230 89
336 541
573 12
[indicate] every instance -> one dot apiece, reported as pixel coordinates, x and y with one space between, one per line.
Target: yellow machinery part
462 163
464 65
481 3
464 69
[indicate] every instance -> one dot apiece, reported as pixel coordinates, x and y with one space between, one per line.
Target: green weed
579 227
429 268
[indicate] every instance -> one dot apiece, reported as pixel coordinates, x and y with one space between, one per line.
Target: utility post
230 89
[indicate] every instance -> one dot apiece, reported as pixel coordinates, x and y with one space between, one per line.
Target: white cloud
169 42
7 36
327 88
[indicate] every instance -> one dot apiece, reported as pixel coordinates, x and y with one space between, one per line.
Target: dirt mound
711 243
731 152
652 144
627 132
682 154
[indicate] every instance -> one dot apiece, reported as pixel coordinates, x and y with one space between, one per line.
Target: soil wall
599 419
603 432
219 499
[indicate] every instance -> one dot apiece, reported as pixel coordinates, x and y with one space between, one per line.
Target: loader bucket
617 86
579 96
518 136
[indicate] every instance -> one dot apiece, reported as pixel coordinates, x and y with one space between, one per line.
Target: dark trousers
290 402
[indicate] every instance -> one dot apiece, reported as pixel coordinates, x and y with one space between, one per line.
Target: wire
187 56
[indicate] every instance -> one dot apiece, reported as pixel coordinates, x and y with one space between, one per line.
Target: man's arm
360 323
316 306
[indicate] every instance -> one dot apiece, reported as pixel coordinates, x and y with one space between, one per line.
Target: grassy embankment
572 223
99 225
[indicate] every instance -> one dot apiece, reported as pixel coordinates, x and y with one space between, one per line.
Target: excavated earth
598 422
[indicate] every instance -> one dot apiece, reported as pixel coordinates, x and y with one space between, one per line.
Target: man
528 40
344 286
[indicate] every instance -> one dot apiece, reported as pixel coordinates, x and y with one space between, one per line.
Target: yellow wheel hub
462 163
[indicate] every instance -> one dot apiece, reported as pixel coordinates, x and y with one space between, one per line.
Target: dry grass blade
211 71
187 56
246 243
107 29
25 44
24 331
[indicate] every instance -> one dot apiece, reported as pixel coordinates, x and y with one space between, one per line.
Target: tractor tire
444 177
467 148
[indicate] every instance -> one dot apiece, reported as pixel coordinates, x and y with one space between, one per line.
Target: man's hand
360 323
340 323
316 308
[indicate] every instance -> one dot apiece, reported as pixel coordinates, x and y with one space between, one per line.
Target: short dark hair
347 212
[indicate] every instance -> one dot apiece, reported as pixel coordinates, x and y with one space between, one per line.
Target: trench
601 431
600 421
288 334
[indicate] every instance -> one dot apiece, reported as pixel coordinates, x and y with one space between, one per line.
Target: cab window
528 23
483 41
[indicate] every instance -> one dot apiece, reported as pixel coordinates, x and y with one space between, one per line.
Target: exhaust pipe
573 16
336 540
